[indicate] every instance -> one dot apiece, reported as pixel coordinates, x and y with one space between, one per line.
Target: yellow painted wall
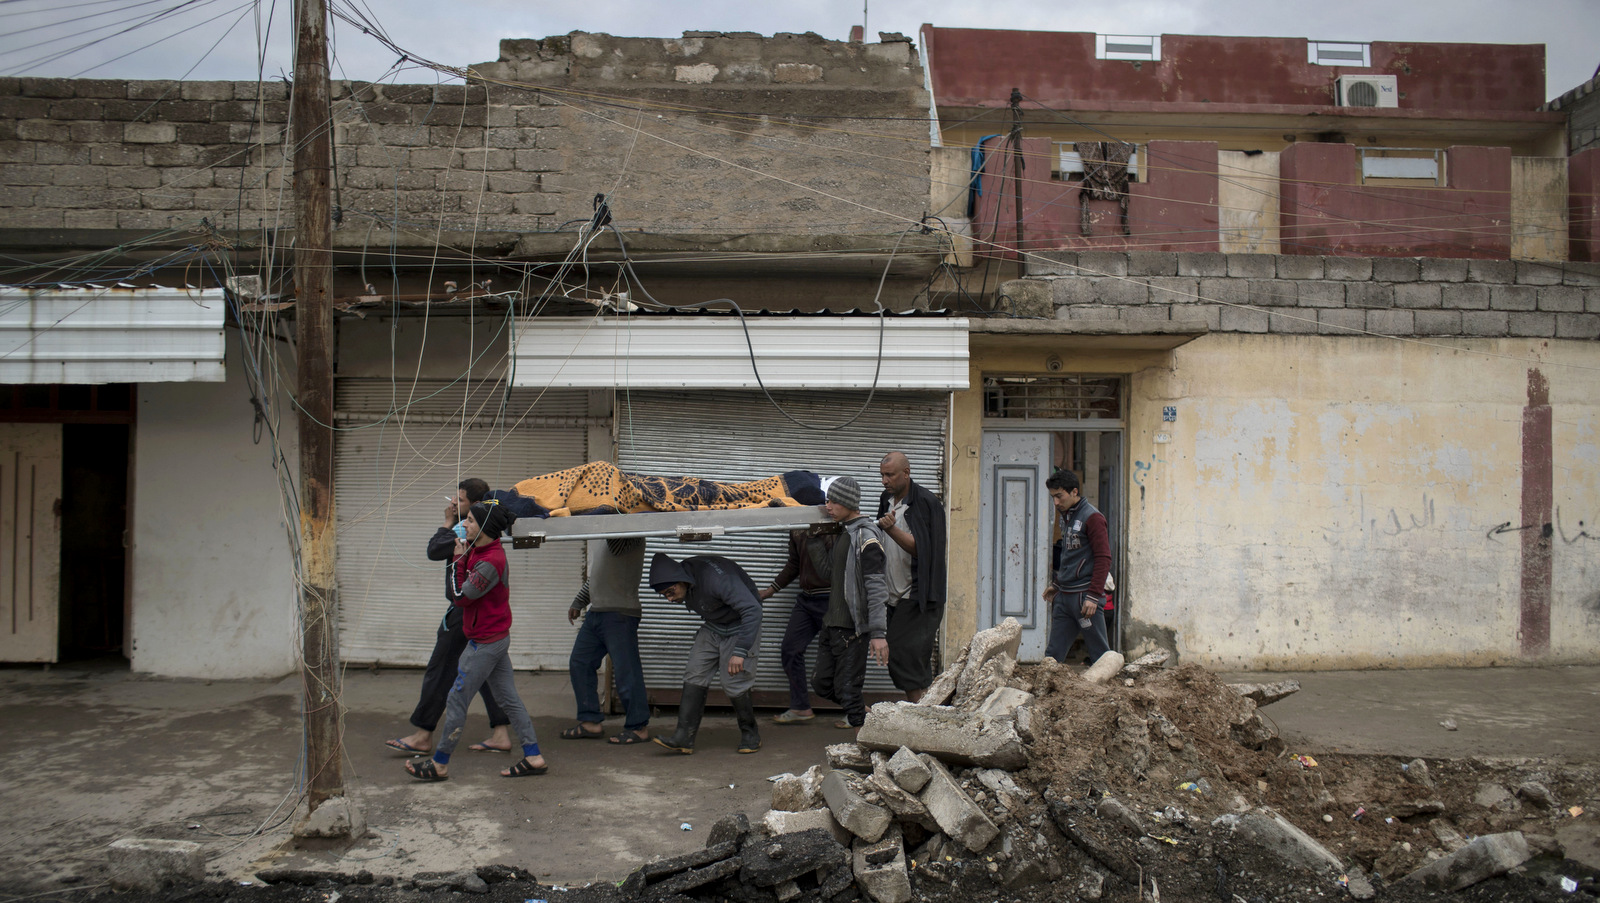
1248 202
1538 208
1328 502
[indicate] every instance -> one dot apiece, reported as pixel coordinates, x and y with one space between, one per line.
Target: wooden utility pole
311 120
1017 166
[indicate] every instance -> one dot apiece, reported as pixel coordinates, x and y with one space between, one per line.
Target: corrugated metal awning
703 352
111 335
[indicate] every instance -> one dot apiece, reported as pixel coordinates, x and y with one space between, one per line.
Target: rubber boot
690 708
745 709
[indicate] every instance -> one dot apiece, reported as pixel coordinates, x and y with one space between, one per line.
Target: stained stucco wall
213 594
1352 502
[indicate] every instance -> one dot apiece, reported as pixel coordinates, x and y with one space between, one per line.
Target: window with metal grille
1338 53
1050 397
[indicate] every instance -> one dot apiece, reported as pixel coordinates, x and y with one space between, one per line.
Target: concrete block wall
1299 294
709 133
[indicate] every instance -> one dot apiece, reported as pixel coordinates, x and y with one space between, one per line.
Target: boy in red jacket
476 583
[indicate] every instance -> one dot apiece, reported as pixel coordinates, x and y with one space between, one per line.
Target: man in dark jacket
857 608
724 648
913 520
1077 590
448 643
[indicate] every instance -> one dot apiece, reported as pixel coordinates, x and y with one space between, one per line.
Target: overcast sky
47 37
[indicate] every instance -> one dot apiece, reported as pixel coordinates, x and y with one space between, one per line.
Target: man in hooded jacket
724 648
912 518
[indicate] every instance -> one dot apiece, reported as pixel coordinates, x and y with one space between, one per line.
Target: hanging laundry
1105 178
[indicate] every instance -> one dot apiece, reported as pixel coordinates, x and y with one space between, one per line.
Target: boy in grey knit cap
858 608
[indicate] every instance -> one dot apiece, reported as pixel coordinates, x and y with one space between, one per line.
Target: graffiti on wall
1569 534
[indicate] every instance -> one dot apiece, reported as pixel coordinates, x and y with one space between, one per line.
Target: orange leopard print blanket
600 488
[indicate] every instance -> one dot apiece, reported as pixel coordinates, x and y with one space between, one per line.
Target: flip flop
627 738
424 770
399 744
579 732
485 747
521 769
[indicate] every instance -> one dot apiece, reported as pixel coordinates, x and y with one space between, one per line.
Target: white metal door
1014 536
30 541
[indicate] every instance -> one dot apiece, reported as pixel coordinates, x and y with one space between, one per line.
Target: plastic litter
1575 811
1327 818
534 900
1360 811
1164 839
1389 820
1190 786
686 827
1448 724
1569 885
1344 880
1305 761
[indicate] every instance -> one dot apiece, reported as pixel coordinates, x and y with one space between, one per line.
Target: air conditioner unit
1369 91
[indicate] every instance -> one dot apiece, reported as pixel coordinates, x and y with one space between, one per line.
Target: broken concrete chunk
1447 835
907 769
944 686
699 877
1104 668
1028 860
1150 661
1274 833
1006 791
1537 794
990 677
787 857
798 792
1493 796
1406 809
986 644
731 828
1267 694
1416 771
956 813
1359 887
464 881
1003 702
851 809
1484 857
1251 732
851 755
776 822
786 891
880 868
952 735
149 864
1118 812
1022 718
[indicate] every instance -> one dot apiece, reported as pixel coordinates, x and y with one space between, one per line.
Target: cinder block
1533 272
1293 323
538 161
1053 263
1145 313
851 809
779 822
1369 295
1347 269
1468 296
880 868
1272 293
43 130
1444 269
1591 300
1300 266
103 88
1073 291
1583 275
1341 322
150 865
149 132
1321 294
1438 322
1524 323
908 770
1561 299
1225 291
46 87
1209 315
1418 295
1578 326
1121 292
1243 319
1202 263
1395 269
954 810
1173 289
1152 263
1391 322
1103 263
1252 266
1495 323
1513 297
1502 272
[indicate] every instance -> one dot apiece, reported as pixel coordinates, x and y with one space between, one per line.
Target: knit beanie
845 492
493 520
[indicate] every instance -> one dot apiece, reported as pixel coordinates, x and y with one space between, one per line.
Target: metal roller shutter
391 482
738 435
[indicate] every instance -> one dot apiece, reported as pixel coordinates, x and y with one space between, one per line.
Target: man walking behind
912 519
1077 590
611 627
809 561
857 608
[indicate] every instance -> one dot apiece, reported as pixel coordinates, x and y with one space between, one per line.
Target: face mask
461 530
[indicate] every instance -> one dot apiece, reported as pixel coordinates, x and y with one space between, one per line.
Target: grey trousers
485 663
708 663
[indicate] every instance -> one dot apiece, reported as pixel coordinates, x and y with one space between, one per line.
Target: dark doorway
94 520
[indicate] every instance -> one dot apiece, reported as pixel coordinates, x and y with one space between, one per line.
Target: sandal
424 770
522 769
485 747
399 744
579 732
627 738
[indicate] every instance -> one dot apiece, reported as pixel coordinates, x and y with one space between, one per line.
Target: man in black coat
913 519
724 649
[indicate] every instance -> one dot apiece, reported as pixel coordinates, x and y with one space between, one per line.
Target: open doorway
94 557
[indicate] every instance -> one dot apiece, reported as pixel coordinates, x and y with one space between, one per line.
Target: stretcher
685 526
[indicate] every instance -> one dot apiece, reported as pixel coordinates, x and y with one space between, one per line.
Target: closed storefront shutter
391 484
738 435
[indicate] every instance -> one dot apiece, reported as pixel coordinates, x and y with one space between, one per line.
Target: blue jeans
1064 628
484 663
805 621
616 634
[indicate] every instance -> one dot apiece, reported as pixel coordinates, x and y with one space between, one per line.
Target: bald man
912 518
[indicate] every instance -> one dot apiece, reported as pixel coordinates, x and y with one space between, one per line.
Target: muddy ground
1181 753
